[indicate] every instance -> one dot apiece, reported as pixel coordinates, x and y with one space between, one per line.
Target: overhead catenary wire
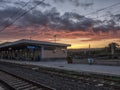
22 15
102 9
16 13
106 15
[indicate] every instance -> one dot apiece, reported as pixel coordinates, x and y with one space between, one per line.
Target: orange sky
77 39
97 25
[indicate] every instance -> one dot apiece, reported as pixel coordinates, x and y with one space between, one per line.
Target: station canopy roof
23 42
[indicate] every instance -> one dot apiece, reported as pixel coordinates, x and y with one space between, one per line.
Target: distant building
104 53
85 49
33 50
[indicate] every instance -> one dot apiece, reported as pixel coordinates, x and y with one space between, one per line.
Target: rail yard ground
54 74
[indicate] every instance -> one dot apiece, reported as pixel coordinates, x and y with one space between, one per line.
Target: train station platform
95 69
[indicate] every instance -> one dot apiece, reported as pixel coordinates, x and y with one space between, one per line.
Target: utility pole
55 36
31 34
89 46
112 50
89 50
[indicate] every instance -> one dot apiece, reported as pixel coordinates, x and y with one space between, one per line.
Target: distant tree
113 46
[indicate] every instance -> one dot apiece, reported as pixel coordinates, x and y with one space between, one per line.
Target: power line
16 13
99 10
106 15
22 15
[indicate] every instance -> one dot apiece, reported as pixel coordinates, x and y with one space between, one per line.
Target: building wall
31 54
58 53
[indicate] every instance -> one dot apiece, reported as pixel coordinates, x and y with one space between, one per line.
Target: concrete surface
98 69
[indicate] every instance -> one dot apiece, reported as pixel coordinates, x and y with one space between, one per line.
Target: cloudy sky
76 22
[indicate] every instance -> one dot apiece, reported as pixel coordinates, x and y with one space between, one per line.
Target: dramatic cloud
108 25
53 19
43 24
50 18
42 4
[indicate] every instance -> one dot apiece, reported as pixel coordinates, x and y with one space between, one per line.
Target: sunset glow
71 23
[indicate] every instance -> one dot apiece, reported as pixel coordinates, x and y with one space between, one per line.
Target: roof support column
42 52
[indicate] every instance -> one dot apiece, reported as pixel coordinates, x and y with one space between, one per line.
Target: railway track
13 82
61 80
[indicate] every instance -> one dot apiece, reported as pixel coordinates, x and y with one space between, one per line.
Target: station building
33 50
